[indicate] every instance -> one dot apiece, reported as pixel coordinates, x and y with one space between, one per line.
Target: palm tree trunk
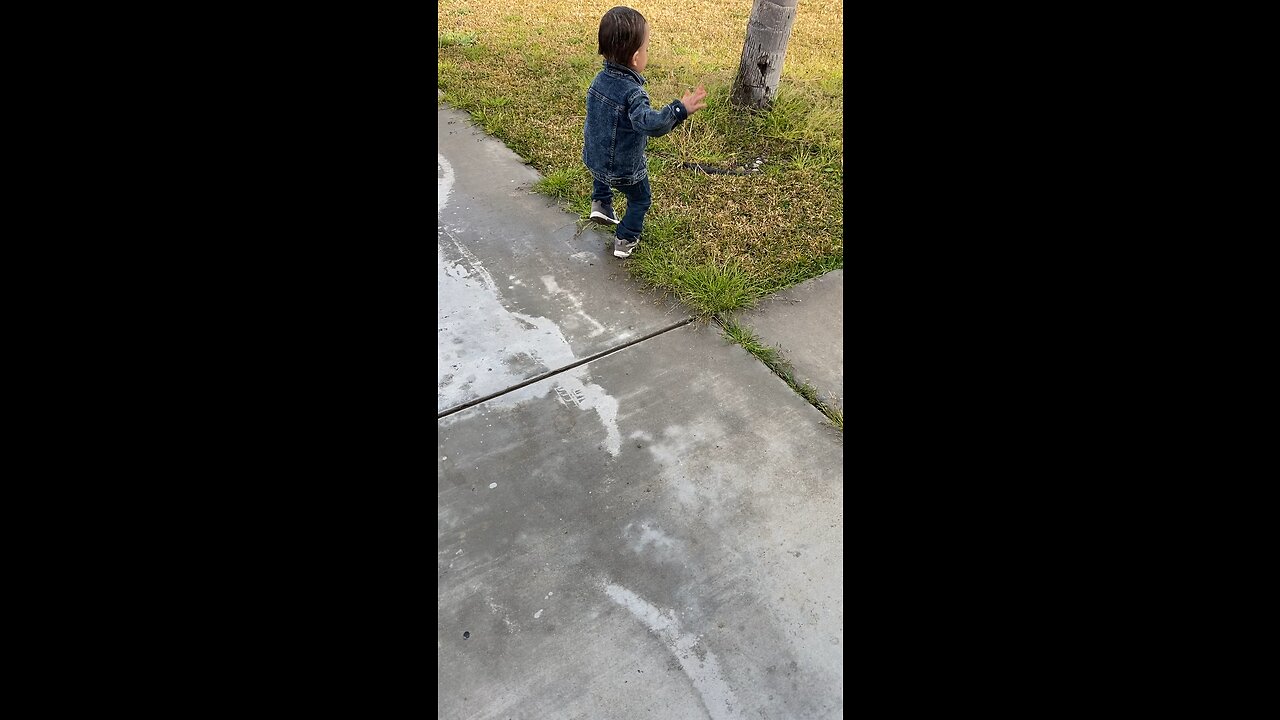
760 68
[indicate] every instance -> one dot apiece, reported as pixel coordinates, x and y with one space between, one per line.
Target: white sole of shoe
604 218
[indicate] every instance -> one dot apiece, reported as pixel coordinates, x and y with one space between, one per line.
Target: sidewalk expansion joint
570 366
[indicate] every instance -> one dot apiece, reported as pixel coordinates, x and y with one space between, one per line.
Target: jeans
638 201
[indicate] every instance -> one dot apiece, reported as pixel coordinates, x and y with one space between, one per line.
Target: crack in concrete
557 371
782 368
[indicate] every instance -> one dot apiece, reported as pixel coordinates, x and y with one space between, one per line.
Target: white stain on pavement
497 609
474 262
549 282
478 340
444 186
483 348
702 668
644 536
593 397
708 492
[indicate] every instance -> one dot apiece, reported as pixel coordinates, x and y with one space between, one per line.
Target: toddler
620 122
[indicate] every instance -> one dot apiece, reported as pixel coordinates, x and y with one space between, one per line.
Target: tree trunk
768 31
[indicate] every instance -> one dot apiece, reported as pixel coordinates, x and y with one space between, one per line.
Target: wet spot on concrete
466 634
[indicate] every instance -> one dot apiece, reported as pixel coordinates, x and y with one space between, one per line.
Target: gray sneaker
602 212
624 248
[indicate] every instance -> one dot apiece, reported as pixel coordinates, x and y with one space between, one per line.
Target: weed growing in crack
771 356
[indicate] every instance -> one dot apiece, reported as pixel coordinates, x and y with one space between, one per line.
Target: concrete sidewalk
635 518
523 288
807 322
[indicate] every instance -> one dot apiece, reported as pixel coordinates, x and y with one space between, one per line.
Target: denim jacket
619 124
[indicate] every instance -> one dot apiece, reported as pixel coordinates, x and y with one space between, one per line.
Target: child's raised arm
693 101
656 123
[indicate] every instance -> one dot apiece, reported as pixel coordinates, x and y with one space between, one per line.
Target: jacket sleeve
654 123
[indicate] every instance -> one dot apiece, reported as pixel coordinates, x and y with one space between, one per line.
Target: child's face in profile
641 58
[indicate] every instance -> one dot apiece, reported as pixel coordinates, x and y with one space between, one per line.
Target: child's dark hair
621 34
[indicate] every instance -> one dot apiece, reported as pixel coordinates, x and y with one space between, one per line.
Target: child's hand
693 101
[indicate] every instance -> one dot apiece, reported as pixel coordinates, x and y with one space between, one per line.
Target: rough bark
760 67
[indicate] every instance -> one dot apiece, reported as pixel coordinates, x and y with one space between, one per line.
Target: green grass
719 243
450 39
562 184
730 240
708 289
